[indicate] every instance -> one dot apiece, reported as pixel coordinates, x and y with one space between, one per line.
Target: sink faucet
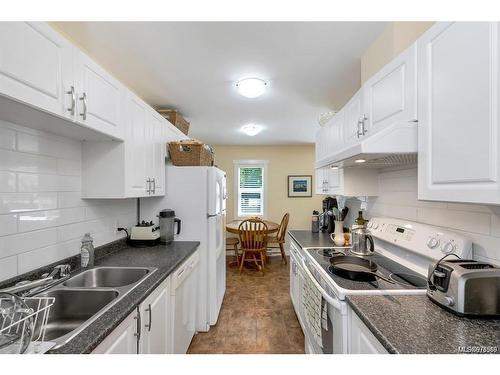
28 288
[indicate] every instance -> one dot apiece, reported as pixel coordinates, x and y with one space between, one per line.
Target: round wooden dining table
233 226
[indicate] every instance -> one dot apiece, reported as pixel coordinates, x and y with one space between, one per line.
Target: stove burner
409 279
329 252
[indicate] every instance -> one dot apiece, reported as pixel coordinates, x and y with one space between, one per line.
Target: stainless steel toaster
465 287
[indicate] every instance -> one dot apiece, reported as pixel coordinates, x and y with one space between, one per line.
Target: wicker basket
190 152
176 119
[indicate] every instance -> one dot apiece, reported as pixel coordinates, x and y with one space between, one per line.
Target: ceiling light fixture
251 87
251 129
359 160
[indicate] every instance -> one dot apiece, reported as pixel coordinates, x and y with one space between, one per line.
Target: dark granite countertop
306 238
414 324
166 258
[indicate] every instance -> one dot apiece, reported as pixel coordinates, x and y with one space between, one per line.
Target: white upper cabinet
136 139
36 67
459 135
353 112
390 96
100 97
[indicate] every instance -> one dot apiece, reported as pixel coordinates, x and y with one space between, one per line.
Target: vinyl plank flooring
257 316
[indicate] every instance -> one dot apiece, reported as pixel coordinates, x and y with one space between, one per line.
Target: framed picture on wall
299 186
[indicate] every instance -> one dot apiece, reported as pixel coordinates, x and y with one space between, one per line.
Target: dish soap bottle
87 251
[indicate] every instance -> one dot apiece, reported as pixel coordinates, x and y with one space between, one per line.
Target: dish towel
313 306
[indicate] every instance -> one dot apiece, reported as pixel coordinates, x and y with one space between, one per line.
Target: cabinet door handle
84 100
138 318
73 100
154 186
148 326
148 189
361 126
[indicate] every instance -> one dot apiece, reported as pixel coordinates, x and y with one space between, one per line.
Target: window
250 181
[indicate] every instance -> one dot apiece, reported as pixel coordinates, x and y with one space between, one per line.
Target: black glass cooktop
403 277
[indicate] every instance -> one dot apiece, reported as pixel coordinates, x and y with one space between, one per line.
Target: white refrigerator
198 197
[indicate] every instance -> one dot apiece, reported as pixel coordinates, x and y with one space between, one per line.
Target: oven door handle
334 302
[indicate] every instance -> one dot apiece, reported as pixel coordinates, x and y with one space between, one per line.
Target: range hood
392 146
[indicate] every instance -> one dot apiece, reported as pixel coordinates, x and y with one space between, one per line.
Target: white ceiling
310 67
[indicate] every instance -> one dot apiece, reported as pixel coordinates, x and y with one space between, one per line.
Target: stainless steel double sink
85 296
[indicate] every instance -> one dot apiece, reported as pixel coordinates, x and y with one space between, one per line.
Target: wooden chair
233 242
253 240
278 241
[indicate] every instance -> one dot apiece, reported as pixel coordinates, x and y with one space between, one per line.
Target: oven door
334 335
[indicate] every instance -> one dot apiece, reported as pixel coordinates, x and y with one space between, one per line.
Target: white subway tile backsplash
49 146
46 255
30 182
42 215
69 167
35 220
8 267
22 162
7 139
7 182
8 224
16 202
20 243
398 198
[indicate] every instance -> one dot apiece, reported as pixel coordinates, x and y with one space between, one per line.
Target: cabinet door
334 180
123 339
390 96
36 66
154 320
137 127
100 97
362 341
320 187
353 111
158 153
335 138
458 104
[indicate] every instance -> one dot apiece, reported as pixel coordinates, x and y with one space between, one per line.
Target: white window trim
259 163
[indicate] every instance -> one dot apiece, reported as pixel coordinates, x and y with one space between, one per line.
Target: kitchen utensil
167 225
362 241
355 268
345 211
465 287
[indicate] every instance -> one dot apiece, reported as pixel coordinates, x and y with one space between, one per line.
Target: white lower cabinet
184 297
361 340
147 330
124 339
155 331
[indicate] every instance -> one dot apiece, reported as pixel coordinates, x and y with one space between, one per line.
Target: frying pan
355 268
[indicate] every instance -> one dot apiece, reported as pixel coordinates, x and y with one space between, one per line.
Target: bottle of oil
360 220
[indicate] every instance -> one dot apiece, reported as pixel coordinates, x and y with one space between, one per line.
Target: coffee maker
326 219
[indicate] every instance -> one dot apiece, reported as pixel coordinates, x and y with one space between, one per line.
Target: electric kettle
362 241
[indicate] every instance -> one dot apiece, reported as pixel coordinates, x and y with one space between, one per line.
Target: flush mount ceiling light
251 129
251 87
360 161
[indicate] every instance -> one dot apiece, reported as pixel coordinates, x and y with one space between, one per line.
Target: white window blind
250 187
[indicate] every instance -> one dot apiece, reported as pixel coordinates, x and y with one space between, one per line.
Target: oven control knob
449 301
433 242
375 225
448 248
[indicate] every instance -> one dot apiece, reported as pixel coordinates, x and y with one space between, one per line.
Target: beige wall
395 38
283 161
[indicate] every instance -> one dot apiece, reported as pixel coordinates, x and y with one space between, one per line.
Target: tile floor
257 315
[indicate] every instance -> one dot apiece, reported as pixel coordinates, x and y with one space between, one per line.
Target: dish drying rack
22 320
